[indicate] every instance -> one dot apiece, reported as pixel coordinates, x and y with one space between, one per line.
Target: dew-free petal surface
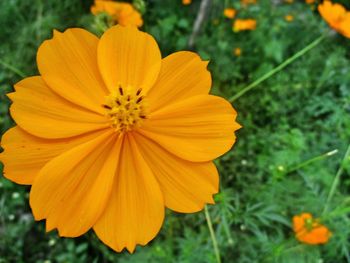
128 57
199 129
135 211
25 155
71 191
41 112
183 74
68 64
186 186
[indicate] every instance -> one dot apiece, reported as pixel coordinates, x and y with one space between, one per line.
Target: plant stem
12 68
278 68
212 234
314 159
335 181
202 13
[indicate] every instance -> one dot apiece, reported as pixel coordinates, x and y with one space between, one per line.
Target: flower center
125 108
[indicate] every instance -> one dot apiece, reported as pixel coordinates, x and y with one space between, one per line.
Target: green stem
212 234
314 159
278 68
12 68
336 181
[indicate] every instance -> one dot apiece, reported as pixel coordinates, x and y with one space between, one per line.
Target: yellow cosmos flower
244 24
336 16
122 13
230 13
310 1
109 134
248 2
237 51
289 18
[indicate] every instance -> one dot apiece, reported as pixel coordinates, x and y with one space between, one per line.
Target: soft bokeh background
293 117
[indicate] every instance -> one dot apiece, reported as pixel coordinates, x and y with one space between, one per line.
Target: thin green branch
336 181
12 68
212 234
314 159
278 68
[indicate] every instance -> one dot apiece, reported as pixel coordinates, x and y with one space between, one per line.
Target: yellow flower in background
310 231
336 16
248 2
230 13
186 2
237 51
289 18
109 134
244 24
122 13
289 1
310 1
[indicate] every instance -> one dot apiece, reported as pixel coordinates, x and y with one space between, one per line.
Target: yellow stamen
125 108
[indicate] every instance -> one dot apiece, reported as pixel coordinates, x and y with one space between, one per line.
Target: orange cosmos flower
336 16
109 134
230 13
186 2
310 231
244 24
122 13
310 1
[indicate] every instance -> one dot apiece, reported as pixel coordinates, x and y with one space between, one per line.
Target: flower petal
68 64
25 155
128 57
71 190
182 75
344 26
42 113
332 13
135 211
186 186
198 129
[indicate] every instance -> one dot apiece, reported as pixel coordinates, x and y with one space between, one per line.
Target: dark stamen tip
106 107
138 92
139 99
121 90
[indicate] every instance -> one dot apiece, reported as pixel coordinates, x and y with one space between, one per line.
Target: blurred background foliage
301 113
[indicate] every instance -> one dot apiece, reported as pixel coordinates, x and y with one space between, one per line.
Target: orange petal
319 235
332 13
68 64
42 113
186 186
135 211
71 190
128 57
344 26
198 129
299 221
182 75
25 155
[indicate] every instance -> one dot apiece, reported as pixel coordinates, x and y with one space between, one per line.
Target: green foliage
298 114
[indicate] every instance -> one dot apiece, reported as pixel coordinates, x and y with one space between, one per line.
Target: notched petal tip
10 95
56 33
